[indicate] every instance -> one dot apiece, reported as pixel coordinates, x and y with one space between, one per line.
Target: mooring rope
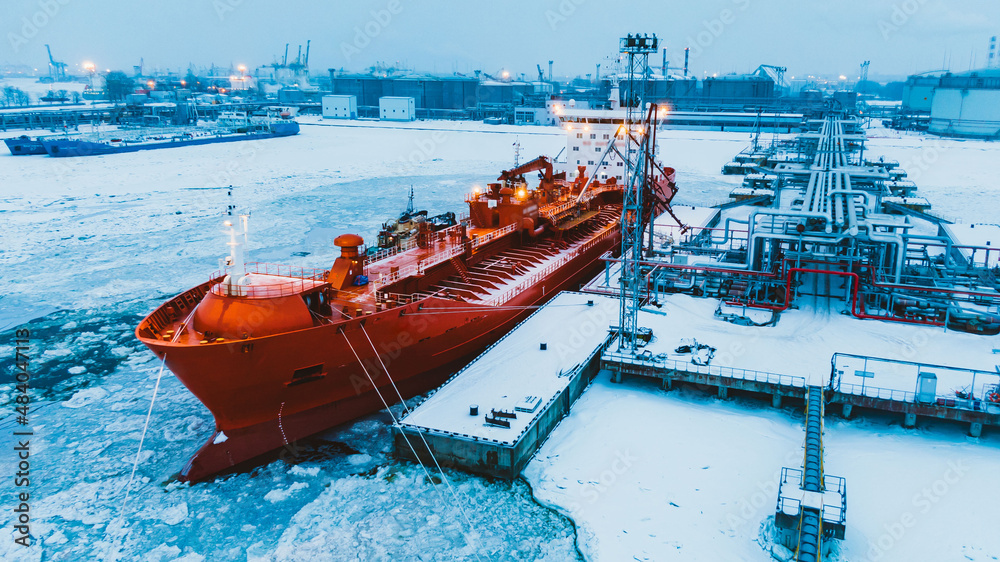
145 427
420 433
395 422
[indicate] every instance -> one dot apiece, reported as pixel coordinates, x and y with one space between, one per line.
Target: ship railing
277 270
453 250
263 268
384 253
595 191
490 236
551 267
293 280
550 212
534 278
411 243
399 299
384 279
420 267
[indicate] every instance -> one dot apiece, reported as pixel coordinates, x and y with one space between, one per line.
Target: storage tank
918 93
967 105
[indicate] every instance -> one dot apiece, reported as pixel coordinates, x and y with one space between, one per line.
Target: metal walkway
811 505
810 525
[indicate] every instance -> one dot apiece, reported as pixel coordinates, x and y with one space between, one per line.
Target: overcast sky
809 37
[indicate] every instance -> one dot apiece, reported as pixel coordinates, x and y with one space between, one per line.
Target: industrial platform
492 416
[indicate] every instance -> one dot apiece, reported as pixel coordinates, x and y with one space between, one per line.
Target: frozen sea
88 246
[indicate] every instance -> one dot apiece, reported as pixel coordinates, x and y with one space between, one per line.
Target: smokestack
663 70
550 71
687 54
598 73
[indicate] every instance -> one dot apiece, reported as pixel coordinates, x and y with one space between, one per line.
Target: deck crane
542 163
541 75
57 70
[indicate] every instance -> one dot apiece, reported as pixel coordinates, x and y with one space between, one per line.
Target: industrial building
432 96
658 87
340 107
958 105
396 108
738 87
530 102
499 92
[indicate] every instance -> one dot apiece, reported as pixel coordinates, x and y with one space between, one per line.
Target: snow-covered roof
978 234
692 217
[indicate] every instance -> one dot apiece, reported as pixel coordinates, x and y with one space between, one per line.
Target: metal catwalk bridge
811 505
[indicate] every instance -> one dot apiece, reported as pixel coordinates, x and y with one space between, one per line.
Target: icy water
338 496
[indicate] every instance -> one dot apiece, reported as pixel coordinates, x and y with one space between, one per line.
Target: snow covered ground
803 342
651 475
88 246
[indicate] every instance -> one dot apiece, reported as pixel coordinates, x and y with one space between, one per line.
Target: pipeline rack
826 222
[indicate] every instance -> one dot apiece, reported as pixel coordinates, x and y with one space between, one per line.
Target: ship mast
235 263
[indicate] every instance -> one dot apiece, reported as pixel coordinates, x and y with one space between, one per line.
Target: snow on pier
493 414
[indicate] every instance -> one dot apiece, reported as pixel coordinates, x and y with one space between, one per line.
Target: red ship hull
261 404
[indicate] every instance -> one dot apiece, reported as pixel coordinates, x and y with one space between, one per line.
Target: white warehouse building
967 105
392 108
340 107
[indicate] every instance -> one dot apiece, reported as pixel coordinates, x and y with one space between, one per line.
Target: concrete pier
520 390
723 380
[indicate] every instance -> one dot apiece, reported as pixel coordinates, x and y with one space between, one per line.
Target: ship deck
494 279
491 281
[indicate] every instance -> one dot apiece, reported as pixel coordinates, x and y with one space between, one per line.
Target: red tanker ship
279 353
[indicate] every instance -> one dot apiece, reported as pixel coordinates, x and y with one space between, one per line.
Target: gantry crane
57 70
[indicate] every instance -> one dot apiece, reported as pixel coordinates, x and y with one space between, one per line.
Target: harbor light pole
637 49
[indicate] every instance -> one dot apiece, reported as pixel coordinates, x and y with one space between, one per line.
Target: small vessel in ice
230 128
25 145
